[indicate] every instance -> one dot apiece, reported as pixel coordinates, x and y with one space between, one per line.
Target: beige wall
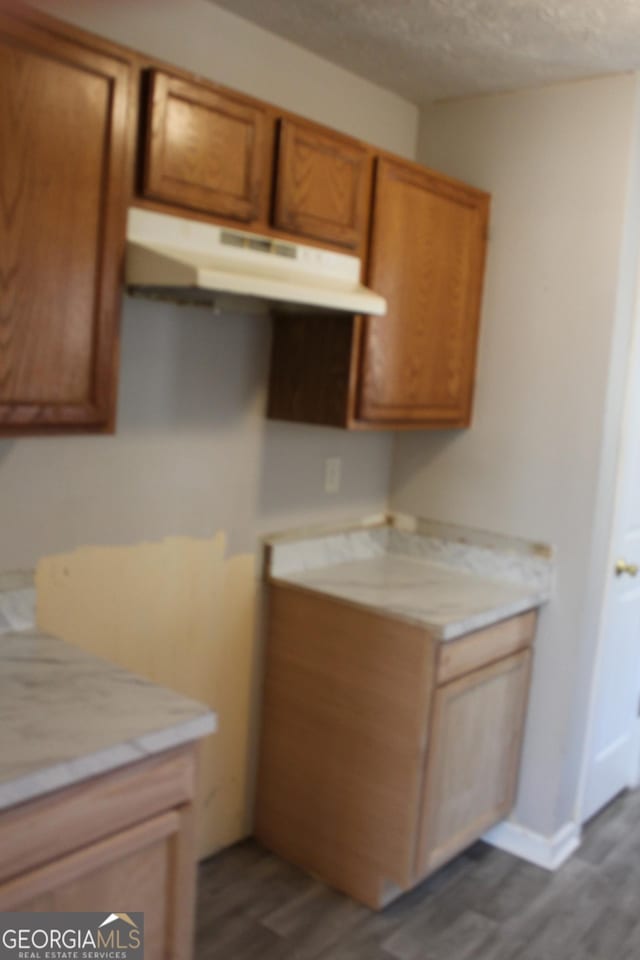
538 461
134 534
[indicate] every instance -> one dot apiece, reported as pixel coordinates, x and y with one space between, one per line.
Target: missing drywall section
182 614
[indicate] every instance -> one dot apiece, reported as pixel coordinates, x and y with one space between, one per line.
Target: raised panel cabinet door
206 150
63 194
322 185
473 758
137 870
427 259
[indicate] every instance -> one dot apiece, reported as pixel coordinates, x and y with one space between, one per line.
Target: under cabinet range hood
186 261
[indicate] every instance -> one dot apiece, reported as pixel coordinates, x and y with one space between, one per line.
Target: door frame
628 337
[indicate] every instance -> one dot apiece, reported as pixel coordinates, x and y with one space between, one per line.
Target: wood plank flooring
486 905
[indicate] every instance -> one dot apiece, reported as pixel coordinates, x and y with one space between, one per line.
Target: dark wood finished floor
486 905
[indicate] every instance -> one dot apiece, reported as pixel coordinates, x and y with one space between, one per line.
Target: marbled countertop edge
439 631
17 601
67 715
450 580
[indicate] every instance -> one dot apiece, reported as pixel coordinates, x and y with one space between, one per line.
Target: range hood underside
228 303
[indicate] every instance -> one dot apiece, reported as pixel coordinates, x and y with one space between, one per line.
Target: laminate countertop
451 580
66 716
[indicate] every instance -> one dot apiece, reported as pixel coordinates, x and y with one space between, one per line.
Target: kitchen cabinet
211 150
71 106
415 366
384 750
64 125
207 149
323 182
427 259
122 841
422 241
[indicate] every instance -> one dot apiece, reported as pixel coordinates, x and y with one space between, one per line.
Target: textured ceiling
433 49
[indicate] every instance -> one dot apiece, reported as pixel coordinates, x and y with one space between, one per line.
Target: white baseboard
548 852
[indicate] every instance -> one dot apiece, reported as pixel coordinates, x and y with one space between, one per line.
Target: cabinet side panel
346 702
311 375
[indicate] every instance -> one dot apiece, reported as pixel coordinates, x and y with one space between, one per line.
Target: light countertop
66 716
450 580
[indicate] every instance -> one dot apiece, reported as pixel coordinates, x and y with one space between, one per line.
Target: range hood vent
186 261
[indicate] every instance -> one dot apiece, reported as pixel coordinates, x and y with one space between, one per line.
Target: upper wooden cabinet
322 185
427 259
207 150
213 151
414 367
63 130
69 111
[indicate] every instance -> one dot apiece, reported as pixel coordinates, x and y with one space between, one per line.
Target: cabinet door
473 758
207 150
63 194
427 259
145 869
322 185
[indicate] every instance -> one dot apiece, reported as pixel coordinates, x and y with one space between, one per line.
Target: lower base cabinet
121 843
384 751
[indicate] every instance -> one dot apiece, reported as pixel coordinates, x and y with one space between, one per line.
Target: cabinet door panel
206 150
473 759
322 185
427 259
63 129
145 869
